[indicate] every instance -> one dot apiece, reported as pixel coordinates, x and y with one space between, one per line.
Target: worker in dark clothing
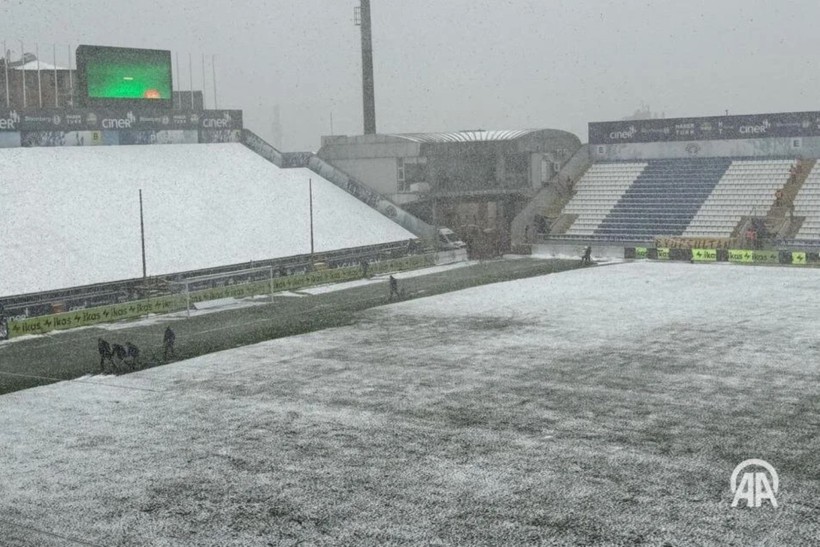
394 288
587 257
4 326
119 352
133 353
105 353
168 343
365 268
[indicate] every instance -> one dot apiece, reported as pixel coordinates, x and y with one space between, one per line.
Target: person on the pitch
119 352
133 353
587 257
105 353
394 288
168 340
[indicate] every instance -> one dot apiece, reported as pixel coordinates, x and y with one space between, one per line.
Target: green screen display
125 74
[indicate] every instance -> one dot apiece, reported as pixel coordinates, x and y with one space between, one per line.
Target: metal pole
310 190
56 85
6 70
70 79
204 102
213 69
23 68
191 78
39 81
142 238
178 104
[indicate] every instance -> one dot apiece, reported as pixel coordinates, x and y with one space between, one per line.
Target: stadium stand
807 204
702 197
746 189
663 199
597 192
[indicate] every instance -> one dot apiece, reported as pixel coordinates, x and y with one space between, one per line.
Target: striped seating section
597 192
697 197
807 204
663 199
746 189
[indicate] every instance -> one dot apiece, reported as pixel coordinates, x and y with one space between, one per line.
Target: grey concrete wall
563 250
372 198
366 146
552 192
808 147
381 174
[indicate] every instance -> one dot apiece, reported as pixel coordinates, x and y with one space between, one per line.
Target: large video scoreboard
124 77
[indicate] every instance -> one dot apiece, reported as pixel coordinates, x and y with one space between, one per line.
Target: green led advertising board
115 76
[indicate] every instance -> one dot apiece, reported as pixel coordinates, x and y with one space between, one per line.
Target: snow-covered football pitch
605 406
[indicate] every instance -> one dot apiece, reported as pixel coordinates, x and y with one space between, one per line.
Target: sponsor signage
766 257
756 126
693 242
97 119
704 255
167 304
740 255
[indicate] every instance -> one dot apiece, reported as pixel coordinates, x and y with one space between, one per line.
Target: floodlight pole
368 92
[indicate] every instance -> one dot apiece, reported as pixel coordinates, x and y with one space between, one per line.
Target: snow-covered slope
70 216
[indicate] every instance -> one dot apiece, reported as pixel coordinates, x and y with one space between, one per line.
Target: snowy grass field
602 406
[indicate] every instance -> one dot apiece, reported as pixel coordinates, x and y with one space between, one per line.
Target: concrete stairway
779 221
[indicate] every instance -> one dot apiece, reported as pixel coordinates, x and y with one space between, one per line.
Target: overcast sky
445 65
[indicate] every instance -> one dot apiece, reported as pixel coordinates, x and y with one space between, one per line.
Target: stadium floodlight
362 19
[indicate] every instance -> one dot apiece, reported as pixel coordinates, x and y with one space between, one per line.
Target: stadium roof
475 135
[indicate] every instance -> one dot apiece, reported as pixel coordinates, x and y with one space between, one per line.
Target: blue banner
102 119
756 126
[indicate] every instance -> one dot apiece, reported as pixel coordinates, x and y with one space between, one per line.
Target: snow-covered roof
73 213
476 135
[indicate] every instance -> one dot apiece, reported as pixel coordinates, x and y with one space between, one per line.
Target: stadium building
463 179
